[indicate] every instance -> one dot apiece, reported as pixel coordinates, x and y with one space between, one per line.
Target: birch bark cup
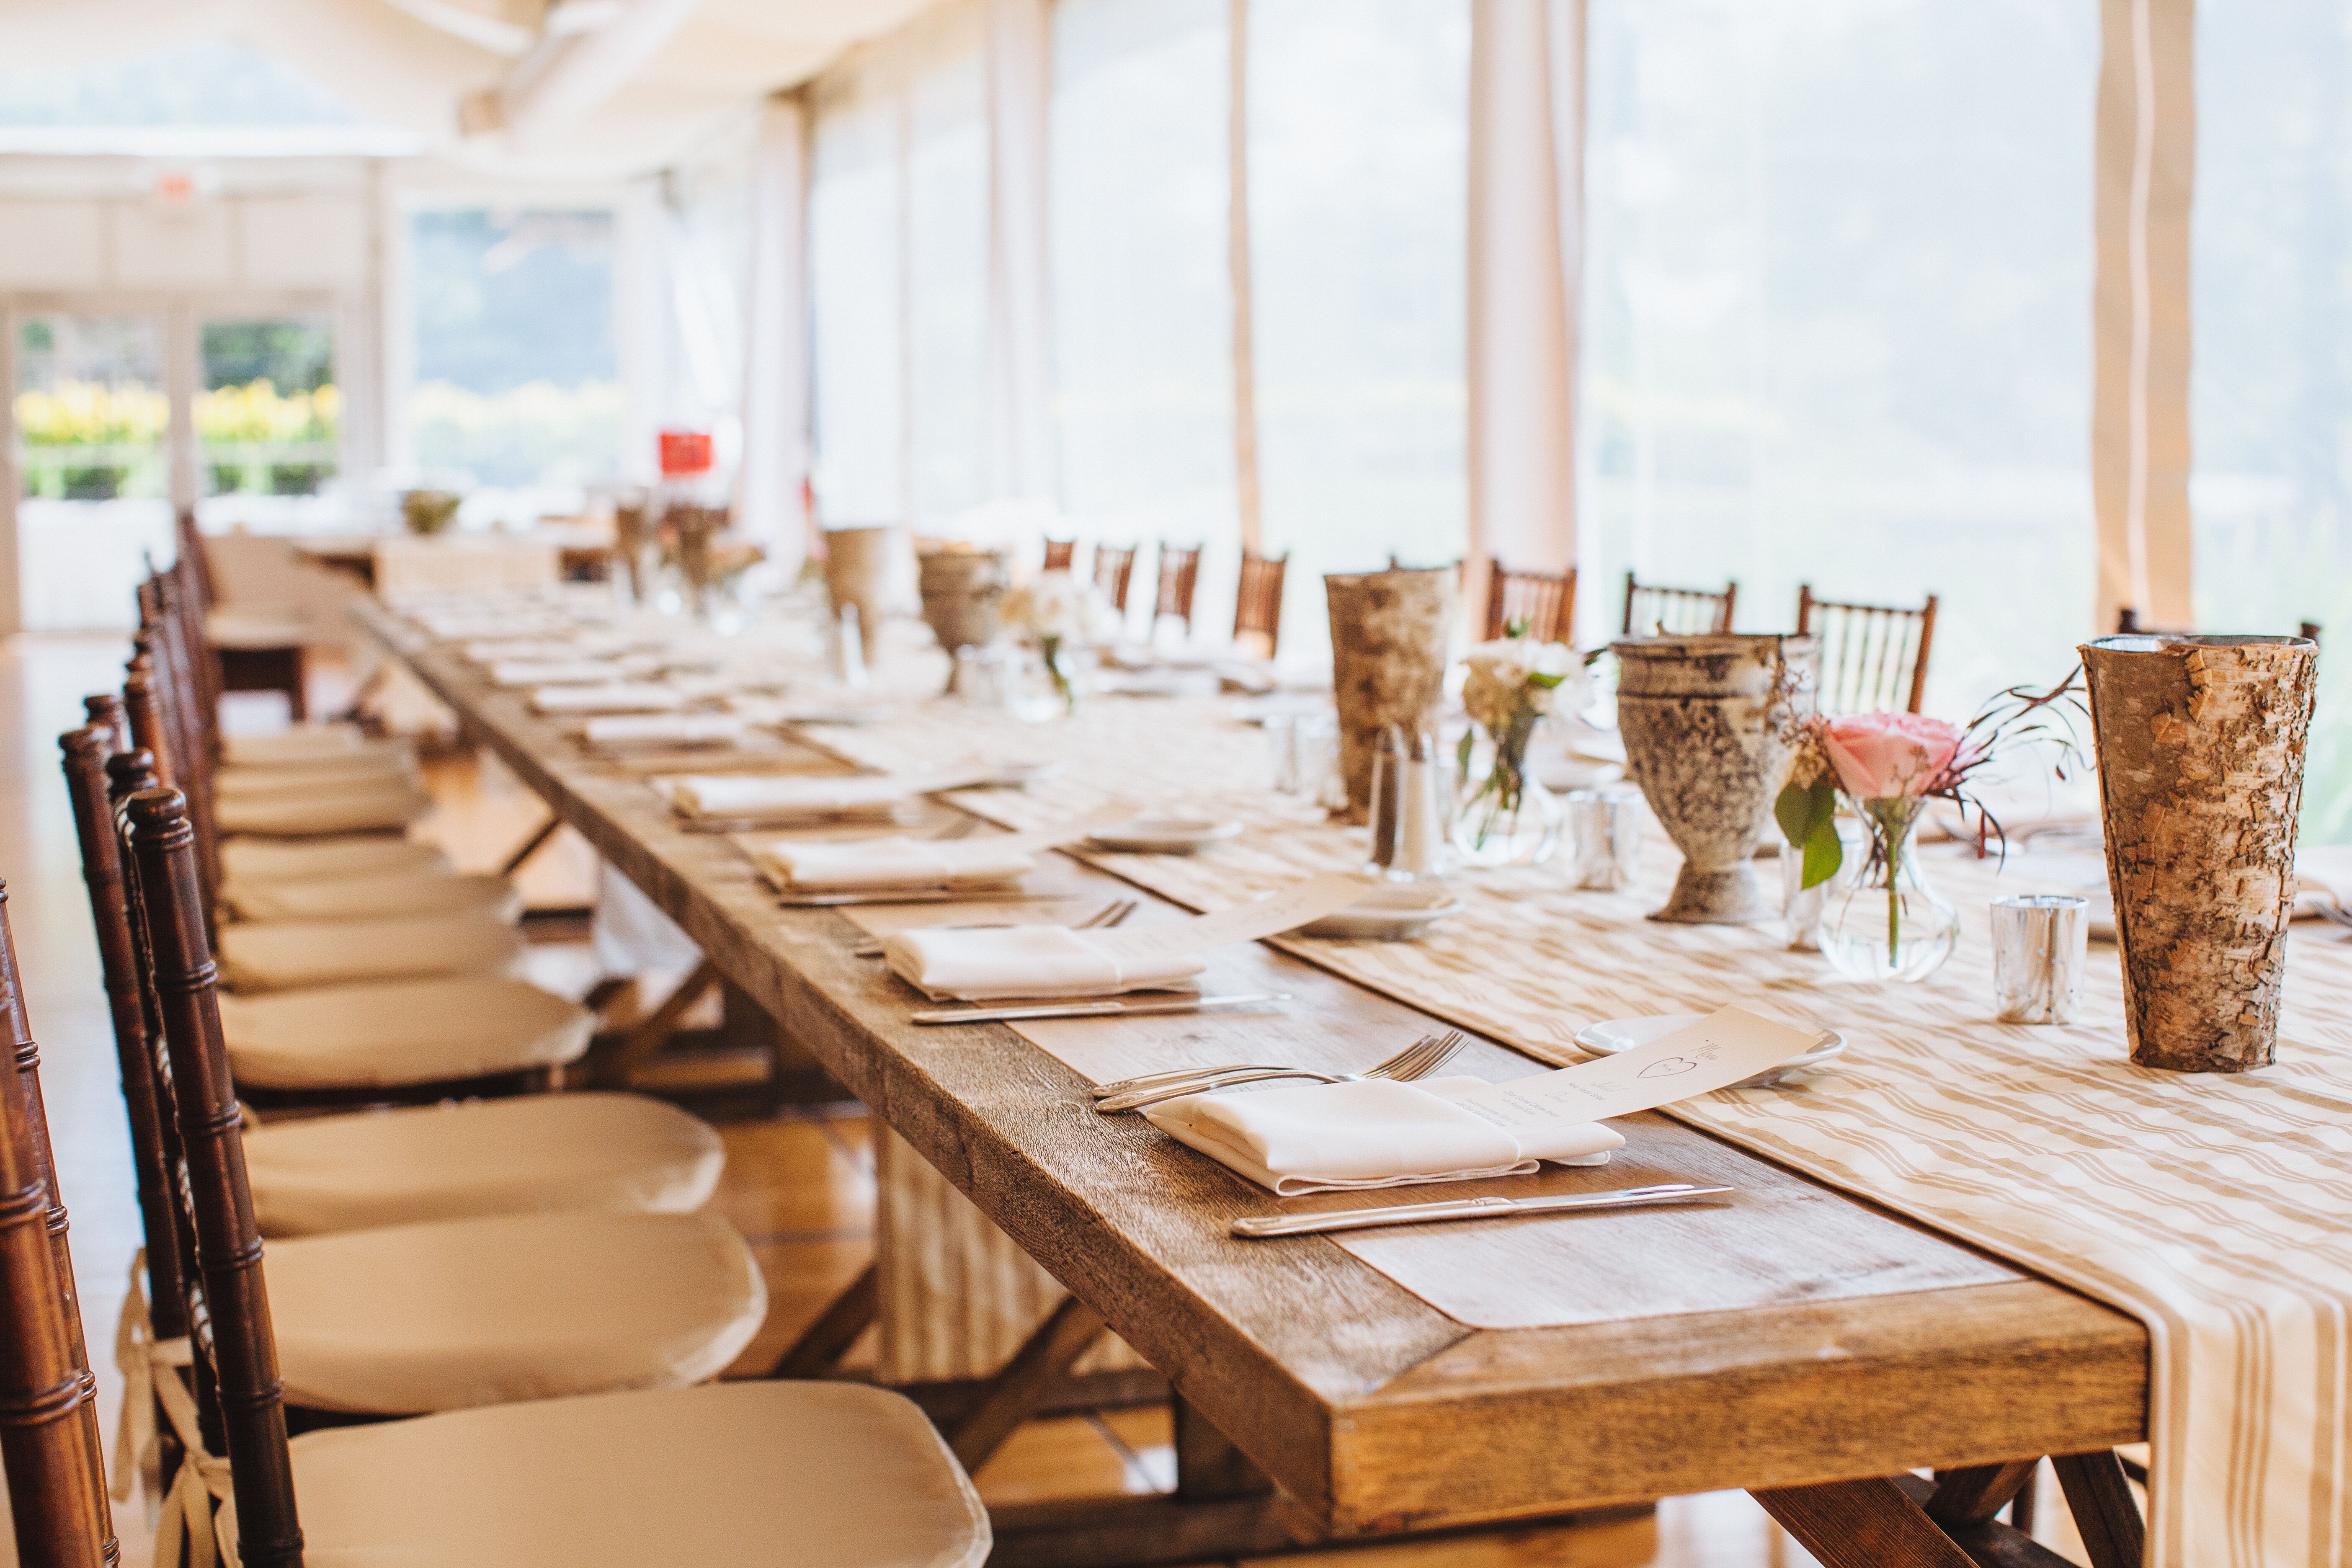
2201 747
961 590
1707 722
1389 636
857 572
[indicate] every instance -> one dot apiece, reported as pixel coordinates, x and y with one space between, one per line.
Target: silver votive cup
1604 827
2041 945
1801 907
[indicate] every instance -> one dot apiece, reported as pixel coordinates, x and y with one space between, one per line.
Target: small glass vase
1883 920
1046 684
1502 816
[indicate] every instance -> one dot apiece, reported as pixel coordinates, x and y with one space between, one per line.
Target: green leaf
1823 853
1462 753
1546 682
1515 627
1794 811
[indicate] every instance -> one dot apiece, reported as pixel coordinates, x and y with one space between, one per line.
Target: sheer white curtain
857 282
2271 390
1838 259
1358 147
1142 295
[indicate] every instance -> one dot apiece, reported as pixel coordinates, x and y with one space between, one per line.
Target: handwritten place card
1279 911
1728 1044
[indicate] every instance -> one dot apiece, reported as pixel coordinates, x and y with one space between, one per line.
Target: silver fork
1419 1059
1110 914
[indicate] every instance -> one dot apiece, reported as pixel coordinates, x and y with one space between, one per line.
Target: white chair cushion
453 1313
307 743
278 955
230 627
402 1032
313 814
364 897
545 1153
368 855
354 771
750 1475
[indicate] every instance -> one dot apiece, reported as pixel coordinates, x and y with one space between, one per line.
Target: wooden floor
800 1186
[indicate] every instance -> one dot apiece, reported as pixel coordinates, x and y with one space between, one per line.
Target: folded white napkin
1025 961
785 797
567 671
1326 1137
662 729
617 696
898 862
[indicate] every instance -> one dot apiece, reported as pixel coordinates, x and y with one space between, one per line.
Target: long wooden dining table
1793 1337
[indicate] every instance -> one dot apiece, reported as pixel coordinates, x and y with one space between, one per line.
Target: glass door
90 432
268 420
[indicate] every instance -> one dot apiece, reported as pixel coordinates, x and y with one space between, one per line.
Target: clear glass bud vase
1503 816
1883 920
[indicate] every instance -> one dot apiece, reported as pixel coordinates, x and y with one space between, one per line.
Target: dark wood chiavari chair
1257 602
617 1459
1180 571
48 1418
2129 624
1113 568
1060 554
1679 612
262 657
1546 601
1873 657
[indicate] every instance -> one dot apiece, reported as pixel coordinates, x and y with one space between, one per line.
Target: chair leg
2107 1515
823 1342
1021 1390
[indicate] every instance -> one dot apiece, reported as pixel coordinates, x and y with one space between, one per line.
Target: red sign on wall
685 452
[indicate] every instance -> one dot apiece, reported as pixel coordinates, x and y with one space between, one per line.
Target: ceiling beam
586 51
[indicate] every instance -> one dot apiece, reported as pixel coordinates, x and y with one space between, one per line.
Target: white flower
1056 605
1511 678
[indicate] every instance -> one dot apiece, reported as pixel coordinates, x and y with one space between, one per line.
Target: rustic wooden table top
1796 1335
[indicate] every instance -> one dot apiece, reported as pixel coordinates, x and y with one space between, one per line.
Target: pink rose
1880 755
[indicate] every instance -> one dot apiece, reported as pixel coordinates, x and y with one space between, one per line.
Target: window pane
268 420
2270 388
1142 299
1837 324
517 384
855 278
1359 152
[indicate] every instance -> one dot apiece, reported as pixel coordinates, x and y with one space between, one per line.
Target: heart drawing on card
1667 1066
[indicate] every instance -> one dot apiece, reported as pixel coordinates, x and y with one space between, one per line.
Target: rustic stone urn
1707 722
961 590
857 572
2200 747
1389 632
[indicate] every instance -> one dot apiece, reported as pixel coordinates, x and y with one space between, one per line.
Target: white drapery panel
769 487
1020 342
641 281
2139 430
1526 153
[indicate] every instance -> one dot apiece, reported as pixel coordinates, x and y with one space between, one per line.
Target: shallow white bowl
1606 1039
1163 835
1397 911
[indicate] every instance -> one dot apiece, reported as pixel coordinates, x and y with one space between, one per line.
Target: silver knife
1257 1227
1090 1009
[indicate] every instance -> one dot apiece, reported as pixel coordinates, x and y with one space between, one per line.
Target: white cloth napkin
616 696
1025 961
899 862
681 728
567 671
785 797
1330 1137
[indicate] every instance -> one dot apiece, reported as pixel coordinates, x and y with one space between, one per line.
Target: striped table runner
2217 1210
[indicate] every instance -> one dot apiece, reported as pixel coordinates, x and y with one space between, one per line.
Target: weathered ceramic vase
1388 633
857 572
961 591
2200 747
1707 722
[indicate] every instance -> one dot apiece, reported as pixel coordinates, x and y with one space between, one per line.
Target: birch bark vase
2200 747
1707 721
1389 636
857 572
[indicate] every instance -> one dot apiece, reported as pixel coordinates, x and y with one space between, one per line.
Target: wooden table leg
1021 1390
1974 1495
2107 1515
1209 1468
823 1342
1863 1524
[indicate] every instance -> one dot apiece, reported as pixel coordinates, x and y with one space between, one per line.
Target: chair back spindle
1179 571
1545 600
1257 600
1873 657
216 1201
1113 568
1678 611
1059 554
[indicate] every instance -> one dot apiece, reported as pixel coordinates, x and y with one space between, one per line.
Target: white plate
1606 1039
1397 911
1155 834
